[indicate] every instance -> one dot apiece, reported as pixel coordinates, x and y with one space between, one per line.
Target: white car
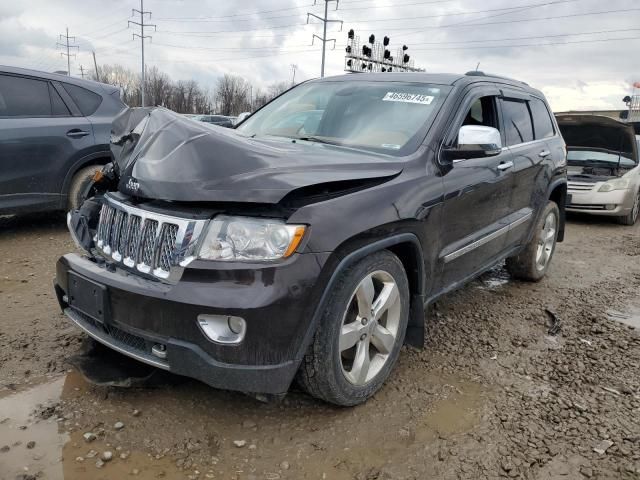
603 167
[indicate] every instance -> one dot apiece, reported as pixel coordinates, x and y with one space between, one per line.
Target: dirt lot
498 392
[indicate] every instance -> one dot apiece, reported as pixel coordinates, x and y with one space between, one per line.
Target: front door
477 197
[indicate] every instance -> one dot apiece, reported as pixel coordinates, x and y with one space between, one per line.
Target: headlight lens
615 184
245 238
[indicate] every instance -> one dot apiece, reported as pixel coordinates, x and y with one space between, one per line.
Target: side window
24 97
482 112
542 124
58 107
517 120
87 101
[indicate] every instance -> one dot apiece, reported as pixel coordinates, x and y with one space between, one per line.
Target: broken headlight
245 238
615 184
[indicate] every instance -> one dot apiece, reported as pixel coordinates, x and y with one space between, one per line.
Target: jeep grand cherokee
307 241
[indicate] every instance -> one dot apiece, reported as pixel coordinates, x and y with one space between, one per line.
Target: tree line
230 95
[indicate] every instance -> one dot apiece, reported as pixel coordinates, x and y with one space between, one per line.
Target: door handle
544 153
505 165
76 133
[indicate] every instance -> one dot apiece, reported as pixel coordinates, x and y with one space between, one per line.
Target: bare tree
232 95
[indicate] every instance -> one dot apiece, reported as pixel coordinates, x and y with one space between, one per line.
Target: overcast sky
260 39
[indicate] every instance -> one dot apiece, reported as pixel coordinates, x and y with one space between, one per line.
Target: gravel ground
535 381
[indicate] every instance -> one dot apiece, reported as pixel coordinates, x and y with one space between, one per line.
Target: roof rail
478 73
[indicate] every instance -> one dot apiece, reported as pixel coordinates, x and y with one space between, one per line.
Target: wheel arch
95 158
406 246
558 194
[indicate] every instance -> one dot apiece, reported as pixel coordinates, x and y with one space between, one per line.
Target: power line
325 21
521 20
506 39
67 38
534 44
142 36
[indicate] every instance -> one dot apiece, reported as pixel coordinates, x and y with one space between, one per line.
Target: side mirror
475 141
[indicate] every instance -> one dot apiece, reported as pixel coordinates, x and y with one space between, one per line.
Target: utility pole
82 74
325 21
67 38
95 64
142 36
294 67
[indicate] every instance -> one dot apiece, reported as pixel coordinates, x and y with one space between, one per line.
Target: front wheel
632 217
360 333
532 263
79 184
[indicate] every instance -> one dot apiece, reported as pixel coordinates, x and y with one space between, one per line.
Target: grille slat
149 245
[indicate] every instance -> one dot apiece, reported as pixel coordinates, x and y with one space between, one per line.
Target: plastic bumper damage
156 323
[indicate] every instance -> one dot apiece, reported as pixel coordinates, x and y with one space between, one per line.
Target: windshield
387 117
594 156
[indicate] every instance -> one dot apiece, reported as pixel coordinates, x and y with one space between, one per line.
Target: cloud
551 47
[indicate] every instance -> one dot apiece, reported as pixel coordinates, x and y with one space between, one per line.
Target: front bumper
615 204
277 302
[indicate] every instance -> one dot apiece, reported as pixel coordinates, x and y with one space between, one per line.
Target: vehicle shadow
32 222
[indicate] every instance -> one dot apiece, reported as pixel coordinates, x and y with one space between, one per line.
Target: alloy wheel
547 241
636 209
369 327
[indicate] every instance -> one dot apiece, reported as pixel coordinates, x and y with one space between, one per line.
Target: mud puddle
494 278
39 440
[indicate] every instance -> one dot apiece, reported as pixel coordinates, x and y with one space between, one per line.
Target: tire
632 217
532 263
79 182
332 374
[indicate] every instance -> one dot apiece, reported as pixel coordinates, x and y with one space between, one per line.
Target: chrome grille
153 244
580 187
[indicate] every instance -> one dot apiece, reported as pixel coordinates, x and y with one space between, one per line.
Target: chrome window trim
487 238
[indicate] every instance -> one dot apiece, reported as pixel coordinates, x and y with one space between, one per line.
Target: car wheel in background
632 217
532 263
360 333
79 183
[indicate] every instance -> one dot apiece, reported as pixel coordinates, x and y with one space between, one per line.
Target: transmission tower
142 36
68 46
324 21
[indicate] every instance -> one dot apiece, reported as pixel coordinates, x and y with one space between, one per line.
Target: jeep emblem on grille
132 185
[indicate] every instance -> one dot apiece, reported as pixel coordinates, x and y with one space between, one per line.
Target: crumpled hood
178 159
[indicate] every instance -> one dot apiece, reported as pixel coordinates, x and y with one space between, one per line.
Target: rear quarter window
86 100
542 124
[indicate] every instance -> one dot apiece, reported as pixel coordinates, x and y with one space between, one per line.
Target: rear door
477 196
39 135
528 126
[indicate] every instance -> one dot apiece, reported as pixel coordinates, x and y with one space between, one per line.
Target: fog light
224 329
610 207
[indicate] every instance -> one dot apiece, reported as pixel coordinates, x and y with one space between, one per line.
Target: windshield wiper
311 138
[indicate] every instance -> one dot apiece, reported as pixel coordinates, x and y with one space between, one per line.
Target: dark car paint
424 210
37 157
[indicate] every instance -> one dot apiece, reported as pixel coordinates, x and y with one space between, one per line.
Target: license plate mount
88 297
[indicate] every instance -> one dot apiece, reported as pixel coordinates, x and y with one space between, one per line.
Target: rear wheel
532 263
632 217
79 183
361 332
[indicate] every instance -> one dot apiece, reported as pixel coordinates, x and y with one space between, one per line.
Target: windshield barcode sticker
408 98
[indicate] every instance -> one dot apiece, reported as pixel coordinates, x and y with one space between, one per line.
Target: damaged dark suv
307 242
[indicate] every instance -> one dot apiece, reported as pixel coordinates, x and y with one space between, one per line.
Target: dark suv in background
54 134
246 257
